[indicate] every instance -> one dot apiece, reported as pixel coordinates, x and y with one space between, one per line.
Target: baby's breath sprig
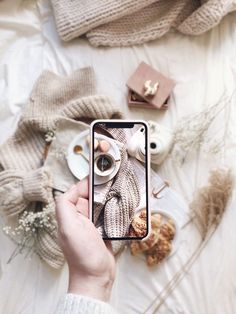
30 224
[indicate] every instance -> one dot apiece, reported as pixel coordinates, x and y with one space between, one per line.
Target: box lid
145 73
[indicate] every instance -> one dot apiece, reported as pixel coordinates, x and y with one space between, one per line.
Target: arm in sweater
78 304
90 260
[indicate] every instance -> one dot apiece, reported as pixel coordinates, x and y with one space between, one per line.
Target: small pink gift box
137 89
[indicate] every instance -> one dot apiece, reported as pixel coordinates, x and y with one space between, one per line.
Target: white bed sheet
203 68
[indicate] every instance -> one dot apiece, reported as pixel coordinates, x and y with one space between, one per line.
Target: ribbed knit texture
78 304
24 181
75 18
123 196
36 185
129 22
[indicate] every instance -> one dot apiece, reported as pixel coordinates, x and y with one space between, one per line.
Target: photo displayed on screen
119 179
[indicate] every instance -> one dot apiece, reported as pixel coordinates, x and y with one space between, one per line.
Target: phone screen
119 179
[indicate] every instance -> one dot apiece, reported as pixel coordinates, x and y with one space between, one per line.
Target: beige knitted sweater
25 183
129 22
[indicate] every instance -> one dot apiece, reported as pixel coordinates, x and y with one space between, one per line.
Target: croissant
158 245
158 252
168 230
137 247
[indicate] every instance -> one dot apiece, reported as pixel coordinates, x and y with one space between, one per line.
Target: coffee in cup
104 164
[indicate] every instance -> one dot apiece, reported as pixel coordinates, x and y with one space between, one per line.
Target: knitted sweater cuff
36 185
78 304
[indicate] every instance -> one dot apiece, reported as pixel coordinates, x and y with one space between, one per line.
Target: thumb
76 191
66 203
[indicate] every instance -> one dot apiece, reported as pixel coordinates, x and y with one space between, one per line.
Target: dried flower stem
207 209
173 283
191 131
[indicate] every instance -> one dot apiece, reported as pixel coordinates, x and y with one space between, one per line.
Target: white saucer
78 165
115 152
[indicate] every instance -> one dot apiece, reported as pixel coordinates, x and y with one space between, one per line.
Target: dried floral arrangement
30 225
210 201
207 207
192 132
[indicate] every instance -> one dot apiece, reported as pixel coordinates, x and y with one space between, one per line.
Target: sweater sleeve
19 188
78 304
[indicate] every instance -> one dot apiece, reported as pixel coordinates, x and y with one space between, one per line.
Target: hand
90 260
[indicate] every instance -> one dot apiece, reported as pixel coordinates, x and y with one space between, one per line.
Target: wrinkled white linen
203 68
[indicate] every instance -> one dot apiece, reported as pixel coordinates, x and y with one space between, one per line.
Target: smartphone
119 178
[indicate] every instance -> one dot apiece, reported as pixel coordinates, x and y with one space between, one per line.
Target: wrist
91 286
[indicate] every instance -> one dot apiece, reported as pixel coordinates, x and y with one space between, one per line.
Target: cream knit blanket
25 183
129 22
